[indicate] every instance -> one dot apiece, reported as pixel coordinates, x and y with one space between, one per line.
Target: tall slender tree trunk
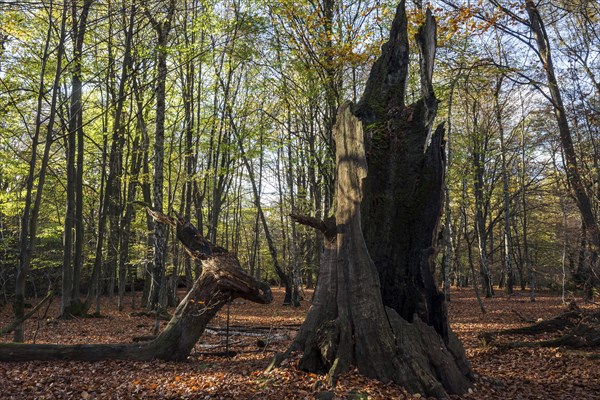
527 265
573 174
162 28
148 267
113 186
127 219
508 260
480 215
121 229
449 237
94 285
73 229
188 76
469 243
29 218
293 245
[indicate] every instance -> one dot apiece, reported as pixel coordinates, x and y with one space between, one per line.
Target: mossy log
222 280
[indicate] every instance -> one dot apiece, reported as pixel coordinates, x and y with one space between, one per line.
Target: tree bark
404 188
135 165
162 28
29 218
508 261
574 178
376 304
481 208
222 280
73 232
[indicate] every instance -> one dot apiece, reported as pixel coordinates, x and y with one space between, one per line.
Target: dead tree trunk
577 331
222 279
376 305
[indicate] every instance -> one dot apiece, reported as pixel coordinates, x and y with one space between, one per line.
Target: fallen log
585 334
523 318
255 329
578 331
270 336
222 280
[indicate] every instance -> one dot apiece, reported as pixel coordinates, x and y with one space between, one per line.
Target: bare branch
326 228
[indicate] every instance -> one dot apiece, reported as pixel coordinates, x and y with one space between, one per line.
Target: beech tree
574 178
524 23
74 229
377 305
34 187
162 27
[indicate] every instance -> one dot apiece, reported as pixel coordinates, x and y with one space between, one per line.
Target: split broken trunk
377 306
222 280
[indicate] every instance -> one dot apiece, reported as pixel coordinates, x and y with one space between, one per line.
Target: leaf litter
258 331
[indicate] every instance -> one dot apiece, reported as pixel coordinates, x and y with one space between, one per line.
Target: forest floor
524 373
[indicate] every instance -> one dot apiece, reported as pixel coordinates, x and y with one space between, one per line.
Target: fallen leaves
525 373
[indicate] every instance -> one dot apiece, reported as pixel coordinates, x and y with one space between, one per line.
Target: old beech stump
377 306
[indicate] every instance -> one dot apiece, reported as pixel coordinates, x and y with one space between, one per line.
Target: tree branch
11 327
326 228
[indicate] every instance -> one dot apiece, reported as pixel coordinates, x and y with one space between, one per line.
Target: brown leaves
549 373
524 373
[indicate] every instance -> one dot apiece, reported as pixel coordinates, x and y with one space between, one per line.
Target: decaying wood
255 329
376 306
523 318
222 280
577 330
374 338
403 198
269 336
560 322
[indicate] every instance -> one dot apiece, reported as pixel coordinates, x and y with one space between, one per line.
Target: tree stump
376 305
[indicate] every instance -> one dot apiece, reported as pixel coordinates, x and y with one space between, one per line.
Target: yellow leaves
466 20
416 18
12 24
